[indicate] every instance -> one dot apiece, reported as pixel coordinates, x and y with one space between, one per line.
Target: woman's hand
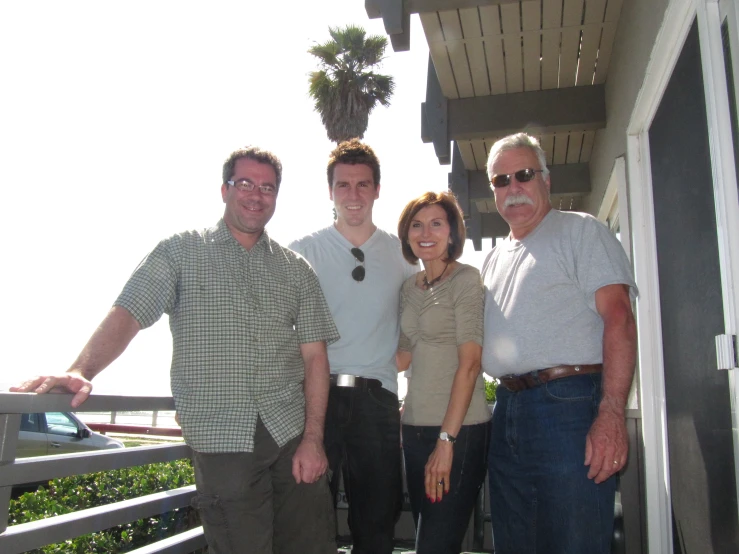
437 470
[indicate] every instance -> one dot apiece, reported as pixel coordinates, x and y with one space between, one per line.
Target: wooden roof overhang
502 66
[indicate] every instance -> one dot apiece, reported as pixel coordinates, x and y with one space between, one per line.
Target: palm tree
346 88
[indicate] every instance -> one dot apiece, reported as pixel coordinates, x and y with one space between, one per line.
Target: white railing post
10 425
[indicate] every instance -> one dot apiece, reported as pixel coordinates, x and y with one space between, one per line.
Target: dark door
700 438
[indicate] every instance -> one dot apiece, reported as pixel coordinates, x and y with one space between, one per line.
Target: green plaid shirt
238 318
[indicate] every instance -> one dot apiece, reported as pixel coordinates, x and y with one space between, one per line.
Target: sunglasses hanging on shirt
358 271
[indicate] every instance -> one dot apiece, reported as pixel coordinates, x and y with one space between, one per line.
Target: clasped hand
437 471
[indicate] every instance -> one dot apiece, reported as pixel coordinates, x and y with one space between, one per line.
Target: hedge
490 388
70 494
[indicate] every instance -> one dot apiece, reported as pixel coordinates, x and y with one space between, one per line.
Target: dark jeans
362 438
441 526
541 500
249 503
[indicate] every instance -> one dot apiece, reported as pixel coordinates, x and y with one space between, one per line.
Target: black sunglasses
358 272
522 176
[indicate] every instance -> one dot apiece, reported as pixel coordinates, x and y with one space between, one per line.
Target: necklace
428 284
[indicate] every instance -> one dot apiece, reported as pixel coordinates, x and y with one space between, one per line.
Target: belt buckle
343 380
517 383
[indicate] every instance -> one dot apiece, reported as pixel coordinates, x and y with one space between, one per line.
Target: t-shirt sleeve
404 343
600 260
314 322
152 288
468 297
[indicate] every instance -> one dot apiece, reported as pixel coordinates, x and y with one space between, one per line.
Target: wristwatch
447 437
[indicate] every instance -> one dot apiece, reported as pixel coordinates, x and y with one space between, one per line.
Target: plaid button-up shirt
237 318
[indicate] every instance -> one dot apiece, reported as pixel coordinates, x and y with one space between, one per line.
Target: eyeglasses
358 271
522 176
247 186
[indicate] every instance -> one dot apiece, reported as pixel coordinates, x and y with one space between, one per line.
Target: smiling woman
446 418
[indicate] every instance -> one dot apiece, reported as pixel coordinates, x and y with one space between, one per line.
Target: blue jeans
441 526
541 500
362 438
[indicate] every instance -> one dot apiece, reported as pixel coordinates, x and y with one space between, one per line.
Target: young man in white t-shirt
361 269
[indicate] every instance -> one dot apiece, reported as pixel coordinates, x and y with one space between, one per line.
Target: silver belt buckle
343 380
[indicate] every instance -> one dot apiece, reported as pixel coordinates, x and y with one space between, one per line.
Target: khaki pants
249 503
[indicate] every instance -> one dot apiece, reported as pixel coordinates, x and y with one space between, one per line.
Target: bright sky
115 119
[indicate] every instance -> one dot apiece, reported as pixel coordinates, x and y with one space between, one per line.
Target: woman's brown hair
453 214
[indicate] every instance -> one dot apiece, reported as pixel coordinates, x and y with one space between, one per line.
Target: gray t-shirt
366 312
540 294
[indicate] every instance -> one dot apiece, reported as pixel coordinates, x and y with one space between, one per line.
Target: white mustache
517 199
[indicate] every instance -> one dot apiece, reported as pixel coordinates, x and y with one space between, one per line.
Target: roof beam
537 112
480 226
493 225
481 117
434 120
459 181
395 14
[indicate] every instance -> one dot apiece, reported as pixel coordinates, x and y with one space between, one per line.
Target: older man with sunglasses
560 337
361 269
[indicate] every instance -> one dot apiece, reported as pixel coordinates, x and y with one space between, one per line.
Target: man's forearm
316 395
108 341
619 360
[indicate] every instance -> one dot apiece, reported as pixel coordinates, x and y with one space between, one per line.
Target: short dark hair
252 153
353 152
454 215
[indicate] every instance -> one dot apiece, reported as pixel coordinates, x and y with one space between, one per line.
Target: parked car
50 433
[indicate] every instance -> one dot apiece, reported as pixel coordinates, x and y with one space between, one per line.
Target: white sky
115 119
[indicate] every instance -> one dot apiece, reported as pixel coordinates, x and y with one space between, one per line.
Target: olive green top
434 323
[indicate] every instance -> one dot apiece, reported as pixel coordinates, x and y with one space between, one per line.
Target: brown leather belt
354 381
516 383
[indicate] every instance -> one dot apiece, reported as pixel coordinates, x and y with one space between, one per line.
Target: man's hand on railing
65 382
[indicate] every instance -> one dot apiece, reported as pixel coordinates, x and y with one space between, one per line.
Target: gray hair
512 142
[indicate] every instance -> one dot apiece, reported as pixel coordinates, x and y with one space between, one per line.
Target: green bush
490 387
76 493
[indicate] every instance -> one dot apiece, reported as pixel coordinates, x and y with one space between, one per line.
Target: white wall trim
726 196
611 194
650 359
721 148
678 19
667 47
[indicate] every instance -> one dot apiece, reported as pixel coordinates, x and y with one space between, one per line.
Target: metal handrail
26 536
44 468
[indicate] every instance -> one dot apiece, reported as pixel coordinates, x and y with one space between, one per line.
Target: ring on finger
440 483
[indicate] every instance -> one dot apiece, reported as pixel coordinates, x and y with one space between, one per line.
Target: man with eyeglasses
361 269
249 368
560 337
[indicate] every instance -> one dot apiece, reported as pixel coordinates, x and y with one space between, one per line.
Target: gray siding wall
638 27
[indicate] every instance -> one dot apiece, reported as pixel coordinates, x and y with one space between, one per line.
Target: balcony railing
28 536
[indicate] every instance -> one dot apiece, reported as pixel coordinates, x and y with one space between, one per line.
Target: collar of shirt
221 233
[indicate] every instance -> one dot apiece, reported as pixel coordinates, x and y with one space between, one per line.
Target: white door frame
726 193
676 24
